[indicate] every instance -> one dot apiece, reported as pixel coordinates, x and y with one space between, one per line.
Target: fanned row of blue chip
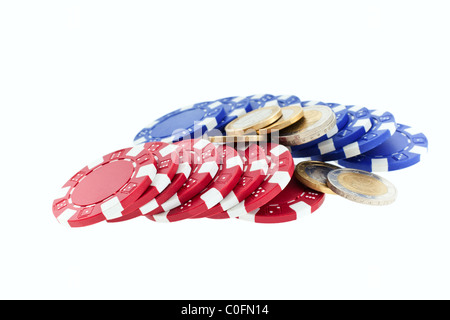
369 140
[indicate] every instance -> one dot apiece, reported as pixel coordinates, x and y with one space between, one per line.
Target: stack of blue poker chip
357 125
342 118
402 150
383 127
184 123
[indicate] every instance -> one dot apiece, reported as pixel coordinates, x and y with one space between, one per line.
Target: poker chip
361 186
256 166
167 158
184 123
383 127
279 174
234 107
403 149
260 100
342 118
100 191
205 159
254 120
228 175
358 124
317 120
181 176
294 202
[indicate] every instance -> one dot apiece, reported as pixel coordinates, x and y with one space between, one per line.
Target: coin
317 120
361 186
290 115
313 174
254 120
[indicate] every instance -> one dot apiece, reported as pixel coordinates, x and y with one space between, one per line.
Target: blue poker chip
234 107
402 150
260 100
358 124
342 119
383 127
184 123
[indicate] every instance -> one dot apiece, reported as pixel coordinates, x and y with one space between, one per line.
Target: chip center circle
102 183
179 121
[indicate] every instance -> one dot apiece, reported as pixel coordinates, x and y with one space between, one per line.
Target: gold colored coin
317 120
290 115
361 186
313 174
254 120
236 138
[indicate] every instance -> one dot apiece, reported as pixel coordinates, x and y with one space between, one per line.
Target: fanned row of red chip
188 179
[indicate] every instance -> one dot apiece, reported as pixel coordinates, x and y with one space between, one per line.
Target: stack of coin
356 185
288 125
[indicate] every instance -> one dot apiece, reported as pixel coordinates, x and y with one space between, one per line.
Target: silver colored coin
361 186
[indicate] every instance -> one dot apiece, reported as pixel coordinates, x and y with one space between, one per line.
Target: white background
79 79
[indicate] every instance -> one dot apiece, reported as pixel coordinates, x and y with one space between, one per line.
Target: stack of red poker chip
169 182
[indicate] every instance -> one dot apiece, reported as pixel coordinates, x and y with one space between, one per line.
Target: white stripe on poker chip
112 209
211 167
259 165
272 103
211 197
338 108
62 192
237 112
281 178
237 210
140 141
355 108
148 170
160 182
161 217
229 201
390 126
378 113
279 150
168 150
366 123
238 99
214 104
173 202
257 96
249 216
135 150
148 207
302 209
411 131
209 123
235 161
351 150
184 168
326 146
419 150
95 163
200 144
380 164
64 217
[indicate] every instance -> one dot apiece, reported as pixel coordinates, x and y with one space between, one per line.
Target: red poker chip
102 190
205 161
256 167
280 173
295 201
167 157
228 175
